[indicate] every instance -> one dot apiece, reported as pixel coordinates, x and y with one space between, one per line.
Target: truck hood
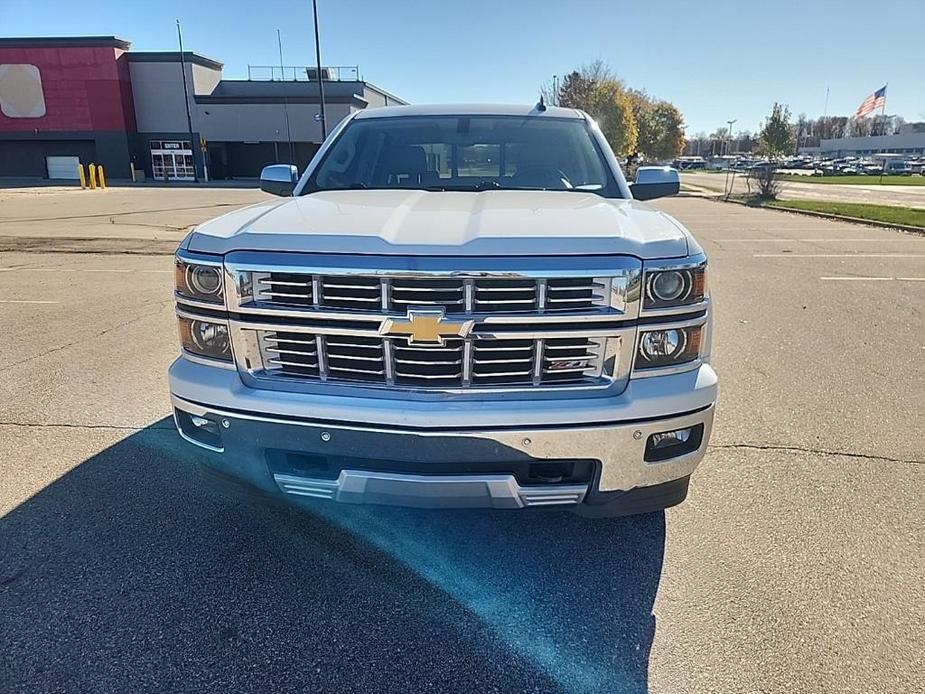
417 222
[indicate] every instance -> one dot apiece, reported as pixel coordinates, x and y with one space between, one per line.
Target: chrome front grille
479 361
299 321
397 294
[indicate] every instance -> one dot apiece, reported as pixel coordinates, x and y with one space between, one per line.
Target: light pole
189 116
324 125
729 133
282 79
730 123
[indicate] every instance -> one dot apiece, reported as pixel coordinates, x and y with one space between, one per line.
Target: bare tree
767 184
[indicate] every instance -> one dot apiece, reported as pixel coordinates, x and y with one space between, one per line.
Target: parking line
65 269
838 255
26 301
872 279
846 240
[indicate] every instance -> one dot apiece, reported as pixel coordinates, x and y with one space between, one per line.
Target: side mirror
279 179
655 182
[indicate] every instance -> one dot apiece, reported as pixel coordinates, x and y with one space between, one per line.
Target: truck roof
469 110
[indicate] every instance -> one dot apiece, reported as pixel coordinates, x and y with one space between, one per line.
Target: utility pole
324 125
189 115
282 78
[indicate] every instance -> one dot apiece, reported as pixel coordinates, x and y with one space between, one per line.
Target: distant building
92 99
909 140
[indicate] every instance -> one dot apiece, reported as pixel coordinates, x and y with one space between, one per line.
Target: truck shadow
131 574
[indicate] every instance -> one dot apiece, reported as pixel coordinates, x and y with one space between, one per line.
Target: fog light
671 438
204 424
670 444
199 430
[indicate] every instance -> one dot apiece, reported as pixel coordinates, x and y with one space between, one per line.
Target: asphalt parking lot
795 565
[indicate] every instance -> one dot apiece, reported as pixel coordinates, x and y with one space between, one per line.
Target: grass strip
887 214
871 180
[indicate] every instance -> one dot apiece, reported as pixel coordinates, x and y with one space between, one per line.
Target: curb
908 228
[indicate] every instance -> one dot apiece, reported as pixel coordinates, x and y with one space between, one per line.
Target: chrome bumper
617 450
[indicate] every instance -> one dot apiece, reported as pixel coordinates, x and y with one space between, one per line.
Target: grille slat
291 351
512 296
361 299
300 364
283 283
364 372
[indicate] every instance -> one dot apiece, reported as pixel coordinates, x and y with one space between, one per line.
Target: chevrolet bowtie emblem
425 327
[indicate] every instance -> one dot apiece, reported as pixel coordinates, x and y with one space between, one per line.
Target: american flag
872 103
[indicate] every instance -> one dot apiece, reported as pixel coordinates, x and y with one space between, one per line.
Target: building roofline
173 57
64 42
353 100
390 95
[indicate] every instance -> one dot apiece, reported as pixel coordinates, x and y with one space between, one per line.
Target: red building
63 99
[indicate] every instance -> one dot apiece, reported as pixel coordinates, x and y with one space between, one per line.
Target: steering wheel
542 176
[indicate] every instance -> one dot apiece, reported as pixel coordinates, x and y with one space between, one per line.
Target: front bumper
402 457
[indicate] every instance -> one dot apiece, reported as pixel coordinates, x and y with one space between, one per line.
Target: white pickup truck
452 307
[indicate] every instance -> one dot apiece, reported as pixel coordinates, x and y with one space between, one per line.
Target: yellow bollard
80 174
101 175
92 169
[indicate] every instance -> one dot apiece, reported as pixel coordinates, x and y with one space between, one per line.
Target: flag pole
883 127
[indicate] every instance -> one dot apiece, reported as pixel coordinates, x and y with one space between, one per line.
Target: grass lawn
858 180
875 213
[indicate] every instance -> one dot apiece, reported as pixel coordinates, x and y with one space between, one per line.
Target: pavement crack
59 348
815 451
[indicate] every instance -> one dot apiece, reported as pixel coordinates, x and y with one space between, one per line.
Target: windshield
465 153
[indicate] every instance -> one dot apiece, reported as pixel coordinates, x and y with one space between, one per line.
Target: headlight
666 288
205 338
199 281
668 347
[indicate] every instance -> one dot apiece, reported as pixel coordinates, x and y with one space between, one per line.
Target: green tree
776 137
613 111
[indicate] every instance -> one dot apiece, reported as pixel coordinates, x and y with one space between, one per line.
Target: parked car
897 168
398 331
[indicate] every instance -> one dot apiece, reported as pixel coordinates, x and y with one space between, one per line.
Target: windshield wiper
487 185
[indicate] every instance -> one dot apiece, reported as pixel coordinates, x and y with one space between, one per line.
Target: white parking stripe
76 269
872 279
838 255
846 240
26 301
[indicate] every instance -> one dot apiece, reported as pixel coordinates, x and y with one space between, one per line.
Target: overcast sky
714 60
